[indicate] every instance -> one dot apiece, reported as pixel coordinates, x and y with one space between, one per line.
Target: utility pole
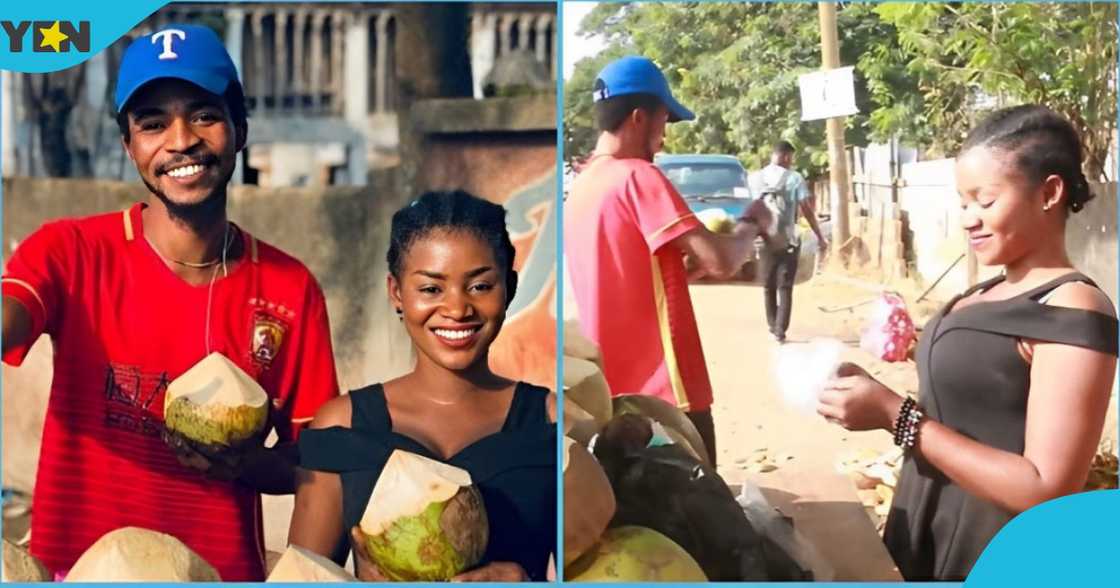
837 157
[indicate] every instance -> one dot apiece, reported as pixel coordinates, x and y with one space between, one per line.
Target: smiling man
134 298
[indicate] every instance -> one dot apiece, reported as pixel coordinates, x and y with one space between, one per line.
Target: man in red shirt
626 232
134 298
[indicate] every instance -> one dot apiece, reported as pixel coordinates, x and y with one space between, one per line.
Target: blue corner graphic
38 37
1071 541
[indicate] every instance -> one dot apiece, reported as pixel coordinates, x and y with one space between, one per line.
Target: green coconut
21 566
635 554
216 403
425 521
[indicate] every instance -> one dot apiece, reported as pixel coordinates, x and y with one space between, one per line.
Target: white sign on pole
828 94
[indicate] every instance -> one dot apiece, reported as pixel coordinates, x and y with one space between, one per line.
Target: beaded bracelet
906 425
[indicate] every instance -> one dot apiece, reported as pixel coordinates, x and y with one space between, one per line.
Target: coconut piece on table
635 554
21 566
425 520
303 565
216 403
585 384
132 554
588 500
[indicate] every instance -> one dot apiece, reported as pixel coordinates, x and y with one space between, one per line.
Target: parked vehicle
708 181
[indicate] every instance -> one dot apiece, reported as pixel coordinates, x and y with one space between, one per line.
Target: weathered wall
924 229
504 150
1091 239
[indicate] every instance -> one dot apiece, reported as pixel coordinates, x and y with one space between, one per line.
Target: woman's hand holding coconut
364 568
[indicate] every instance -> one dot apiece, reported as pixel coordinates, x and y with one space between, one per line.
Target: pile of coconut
641 501
133 554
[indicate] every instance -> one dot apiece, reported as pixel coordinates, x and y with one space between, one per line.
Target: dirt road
752 419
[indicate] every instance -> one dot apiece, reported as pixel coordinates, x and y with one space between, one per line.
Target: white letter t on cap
167 35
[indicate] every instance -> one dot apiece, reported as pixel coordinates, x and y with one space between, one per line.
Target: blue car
708 181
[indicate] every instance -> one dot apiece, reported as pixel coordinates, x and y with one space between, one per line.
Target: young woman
451 279
1015 373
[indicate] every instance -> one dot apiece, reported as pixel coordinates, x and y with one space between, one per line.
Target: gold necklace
203 265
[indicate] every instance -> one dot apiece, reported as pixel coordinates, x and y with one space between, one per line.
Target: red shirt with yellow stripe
123 326
630 283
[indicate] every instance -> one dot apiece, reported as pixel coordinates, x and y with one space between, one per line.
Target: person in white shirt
787 194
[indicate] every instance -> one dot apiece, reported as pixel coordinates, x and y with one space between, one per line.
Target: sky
576 48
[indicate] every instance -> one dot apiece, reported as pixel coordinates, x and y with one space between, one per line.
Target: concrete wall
1091 239
926 223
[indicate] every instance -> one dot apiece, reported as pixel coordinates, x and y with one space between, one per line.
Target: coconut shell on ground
635 554
303 565
586 385
668 415
132 554
21 566
588 500
425 520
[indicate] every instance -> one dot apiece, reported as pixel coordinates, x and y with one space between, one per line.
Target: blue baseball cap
185 52
638 75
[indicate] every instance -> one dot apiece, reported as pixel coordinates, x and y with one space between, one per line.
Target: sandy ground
749 412
752 419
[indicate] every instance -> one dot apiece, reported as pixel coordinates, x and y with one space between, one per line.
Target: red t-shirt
630 283
123 326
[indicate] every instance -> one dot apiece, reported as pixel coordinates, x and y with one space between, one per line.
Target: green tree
736 66
924 71
970 58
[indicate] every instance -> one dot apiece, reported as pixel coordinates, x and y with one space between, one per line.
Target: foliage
924 71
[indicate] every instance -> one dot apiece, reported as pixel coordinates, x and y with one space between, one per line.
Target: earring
1046 207
400 314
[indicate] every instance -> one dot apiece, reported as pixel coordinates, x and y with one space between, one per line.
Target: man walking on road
627 231
786 194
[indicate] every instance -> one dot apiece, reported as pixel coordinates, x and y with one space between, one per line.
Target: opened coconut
672 418
132 554
216 403
586 385
21 566
425 521
588 500
302 565
635 554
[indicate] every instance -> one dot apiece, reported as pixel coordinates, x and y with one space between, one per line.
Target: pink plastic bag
890 331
